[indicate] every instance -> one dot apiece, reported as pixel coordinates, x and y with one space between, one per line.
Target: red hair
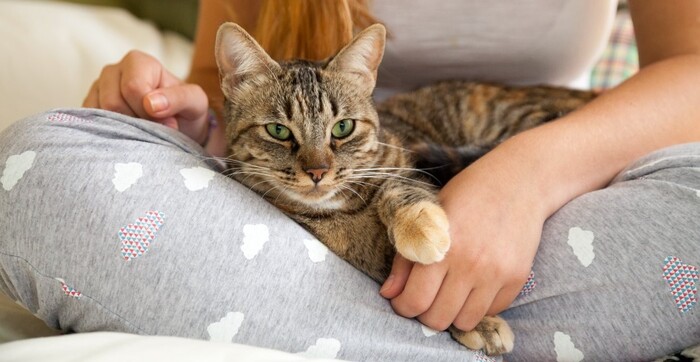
309 29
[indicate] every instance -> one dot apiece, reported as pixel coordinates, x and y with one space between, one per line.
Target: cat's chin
317 198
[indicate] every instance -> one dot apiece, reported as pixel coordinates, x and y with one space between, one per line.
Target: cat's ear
240 58
362 56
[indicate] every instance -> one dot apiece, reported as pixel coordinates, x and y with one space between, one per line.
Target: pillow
18 323
53 51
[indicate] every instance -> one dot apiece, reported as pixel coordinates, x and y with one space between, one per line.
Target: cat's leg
492 335
416 223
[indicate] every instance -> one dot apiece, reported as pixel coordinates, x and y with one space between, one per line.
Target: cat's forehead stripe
306 81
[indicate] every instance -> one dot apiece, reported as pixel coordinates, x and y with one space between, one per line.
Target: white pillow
52 52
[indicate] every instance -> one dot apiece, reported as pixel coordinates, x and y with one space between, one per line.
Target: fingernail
387 283
158 102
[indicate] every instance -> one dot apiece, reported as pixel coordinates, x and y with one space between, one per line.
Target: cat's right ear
362 56
240 58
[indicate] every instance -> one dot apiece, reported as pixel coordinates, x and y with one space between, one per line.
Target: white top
517 42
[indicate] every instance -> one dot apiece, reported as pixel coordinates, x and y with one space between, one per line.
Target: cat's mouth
318 196
316 191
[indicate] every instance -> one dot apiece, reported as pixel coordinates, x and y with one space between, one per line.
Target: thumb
186 101
394 284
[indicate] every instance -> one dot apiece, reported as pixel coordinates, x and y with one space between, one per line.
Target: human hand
495 228
139 86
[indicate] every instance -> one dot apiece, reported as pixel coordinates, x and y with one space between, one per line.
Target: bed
62 47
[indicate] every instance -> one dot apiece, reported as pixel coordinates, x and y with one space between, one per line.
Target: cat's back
458 113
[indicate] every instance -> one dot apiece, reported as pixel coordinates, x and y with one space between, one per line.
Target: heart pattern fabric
530 285
64 118
15 167
683 281
226 328
136 238
68 290
323 348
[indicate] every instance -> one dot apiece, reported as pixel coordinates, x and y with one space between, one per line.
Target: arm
655 108
140 86
527 178
203 70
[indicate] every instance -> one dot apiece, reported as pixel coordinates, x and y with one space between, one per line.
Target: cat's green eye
343 128
278 131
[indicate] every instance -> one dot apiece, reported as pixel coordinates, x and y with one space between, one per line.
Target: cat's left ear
362 56
240 59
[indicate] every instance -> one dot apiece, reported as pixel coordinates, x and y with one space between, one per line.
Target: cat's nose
316 174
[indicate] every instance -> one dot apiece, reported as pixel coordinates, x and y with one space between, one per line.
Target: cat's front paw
492 335
420 232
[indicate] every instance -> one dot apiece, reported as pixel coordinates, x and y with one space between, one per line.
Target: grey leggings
114 223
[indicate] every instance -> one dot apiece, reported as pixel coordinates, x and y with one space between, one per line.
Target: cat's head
299 129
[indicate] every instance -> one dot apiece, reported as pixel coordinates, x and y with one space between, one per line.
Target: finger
92 98
394 284
421 288
141 74
186 102
170 122
475 308
109 92
168 79
504 299
448 303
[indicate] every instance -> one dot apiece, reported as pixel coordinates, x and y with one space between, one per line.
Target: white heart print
226 328
323 348
254 237
126 175
565 349
427 331
15 167
197 178
317 251
581 242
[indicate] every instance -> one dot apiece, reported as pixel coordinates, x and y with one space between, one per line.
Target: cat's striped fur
361 194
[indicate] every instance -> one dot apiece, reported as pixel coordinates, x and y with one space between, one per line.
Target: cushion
53 51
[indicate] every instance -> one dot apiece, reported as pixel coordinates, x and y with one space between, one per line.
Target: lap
123 225
118 224
606 264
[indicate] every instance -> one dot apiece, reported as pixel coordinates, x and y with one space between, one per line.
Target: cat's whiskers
261 182
345 187
411 169
248 164
246 173
273 188
396 147
241 169
212 158
284 189
338 187
361 183
387 176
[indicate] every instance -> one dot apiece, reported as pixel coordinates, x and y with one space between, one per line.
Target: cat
308 137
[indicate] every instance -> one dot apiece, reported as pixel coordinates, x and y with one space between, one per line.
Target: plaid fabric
619 60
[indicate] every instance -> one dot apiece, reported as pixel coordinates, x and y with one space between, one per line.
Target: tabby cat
308 138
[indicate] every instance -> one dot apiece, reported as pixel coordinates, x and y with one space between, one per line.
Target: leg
606 264
115 224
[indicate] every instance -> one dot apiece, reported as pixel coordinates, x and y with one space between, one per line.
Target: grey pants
113 223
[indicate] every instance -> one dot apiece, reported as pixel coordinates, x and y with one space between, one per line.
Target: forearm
582 152
204 71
